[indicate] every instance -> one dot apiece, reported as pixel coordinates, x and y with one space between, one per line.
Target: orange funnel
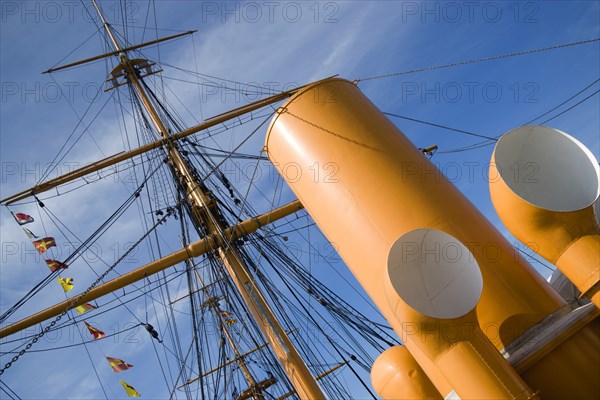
436 291
543 184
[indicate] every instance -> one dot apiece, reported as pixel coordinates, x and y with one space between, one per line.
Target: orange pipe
469 361
397 375
549 203
437 294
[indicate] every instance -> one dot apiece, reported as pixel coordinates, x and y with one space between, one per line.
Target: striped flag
131 392
118 365
84 308
54 265
66 283
44 244
97 333
29 234
22 219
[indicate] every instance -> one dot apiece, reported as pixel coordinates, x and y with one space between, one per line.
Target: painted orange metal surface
571 370
455 344
397 375
365 184
569 239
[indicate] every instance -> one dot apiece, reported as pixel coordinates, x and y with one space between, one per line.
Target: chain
37 337
329 131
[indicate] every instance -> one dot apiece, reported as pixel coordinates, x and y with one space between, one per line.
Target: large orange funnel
543 184
365 184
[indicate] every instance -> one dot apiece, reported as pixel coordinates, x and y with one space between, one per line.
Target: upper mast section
108 30
127 65
120 51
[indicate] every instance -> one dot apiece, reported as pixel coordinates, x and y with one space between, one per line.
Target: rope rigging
478 60
104 309
74 301
441 126
78 252
55 161
492 139
235 216
202 347
8 391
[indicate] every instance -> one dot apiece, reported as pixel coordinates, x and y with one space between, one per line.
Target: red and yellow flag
54 265
97 333
84 308
66 283
44 244
226 315
118 365
131 392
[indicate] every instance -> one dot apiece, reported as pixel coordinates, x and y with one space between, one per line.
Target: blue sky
275 44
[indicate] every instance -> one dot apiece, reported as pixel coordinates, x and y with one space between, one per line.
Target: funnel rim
569 172
294 97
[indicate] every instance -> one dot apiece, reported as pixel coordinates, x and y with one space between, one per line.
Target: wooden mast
205 210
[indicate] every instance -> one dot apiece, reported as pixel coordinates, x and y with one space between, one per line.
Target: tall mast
204 210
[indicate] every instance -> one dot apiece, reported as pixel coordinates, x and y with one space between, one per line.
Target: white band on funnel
434 273
548 168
